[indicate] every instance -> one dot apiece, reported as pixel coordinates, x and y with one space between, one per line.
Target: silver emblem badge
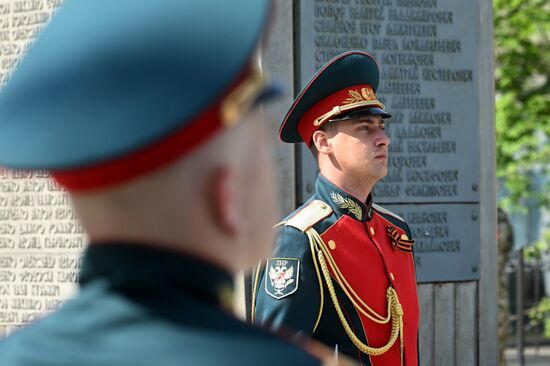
282 276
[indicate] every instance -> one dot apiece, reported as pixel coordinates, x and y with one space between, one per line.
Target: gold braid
395 310
346 287
321 292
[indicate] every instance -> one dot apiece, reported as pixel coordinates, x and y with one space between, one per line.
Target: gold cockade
365 95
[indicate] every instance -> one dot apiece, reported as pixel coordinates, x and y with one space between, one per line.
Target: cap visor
374 111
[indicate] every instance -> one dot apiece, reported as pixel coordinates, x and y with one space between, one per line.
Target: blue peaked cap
106 78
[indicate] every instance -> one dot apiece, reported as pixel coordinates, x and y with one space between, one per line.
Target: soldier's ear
224 202
322 142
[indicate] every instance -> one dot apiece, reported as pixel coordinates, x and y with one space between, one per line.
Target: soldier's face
360 148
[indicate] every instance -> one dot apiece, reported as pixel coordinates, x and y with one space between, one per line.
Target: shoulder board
309 215
386 212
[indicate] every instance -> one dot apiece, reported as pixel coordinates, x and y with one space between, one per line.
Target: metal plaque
428 56
446 238
427 51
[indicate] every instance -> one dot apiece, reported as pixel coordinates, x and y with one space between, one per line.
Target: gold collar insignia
347 204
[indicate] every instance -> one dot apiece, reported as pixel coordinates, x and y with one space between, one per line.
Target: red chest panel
368 261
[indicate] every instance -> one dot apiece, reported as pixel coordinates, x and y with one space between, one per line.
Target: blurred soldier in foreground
145 112
343 270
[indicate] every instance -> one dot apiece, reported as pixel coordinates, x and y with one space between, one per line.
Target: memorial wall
427 52
40 239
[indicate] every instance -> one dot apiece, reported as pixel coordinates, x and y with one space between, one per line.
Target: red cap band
346 99
154 156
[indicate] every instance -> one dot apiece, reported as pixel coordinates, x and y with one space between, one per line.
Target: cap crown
347 82
107 78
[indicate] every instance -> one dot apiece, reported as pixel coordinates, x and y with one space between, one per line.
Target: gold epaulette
309 215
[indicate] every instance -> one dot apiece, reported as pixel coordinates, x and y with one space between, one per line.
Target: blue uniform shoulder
287 292
201 335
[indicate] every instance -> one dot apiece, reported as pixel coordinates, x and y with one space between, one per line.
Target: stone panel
446 238
41 243
428 56
40 239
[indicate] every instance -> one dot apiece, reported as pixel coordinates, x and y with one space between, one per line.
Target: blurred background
522 82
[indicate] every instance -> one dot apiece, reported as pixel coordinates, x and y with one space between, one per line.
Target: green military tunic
367 250
140 306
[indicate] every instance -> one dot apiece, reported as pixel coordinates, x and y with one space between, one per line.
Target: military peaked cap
113 89
344 88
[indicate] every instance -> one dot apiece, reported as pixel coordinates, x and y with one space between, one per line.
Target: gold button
331 244
392 276
323 207
371 231
404 237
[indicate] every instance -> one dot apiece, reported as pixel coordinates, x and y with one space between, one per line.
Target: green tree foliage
522 50
522 57
539 315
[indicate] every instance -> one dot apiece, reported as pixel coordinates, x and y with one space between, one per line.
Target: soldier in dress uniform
145 112
343 269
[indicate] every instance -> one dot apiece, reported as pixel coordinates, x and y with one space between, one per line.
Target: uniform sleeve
296 311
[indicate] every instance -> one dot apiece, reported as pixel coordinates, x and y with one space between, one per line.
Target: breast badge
282 276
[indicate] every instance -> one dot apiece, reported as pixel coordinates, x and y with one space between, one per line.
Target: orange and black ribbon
401 242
